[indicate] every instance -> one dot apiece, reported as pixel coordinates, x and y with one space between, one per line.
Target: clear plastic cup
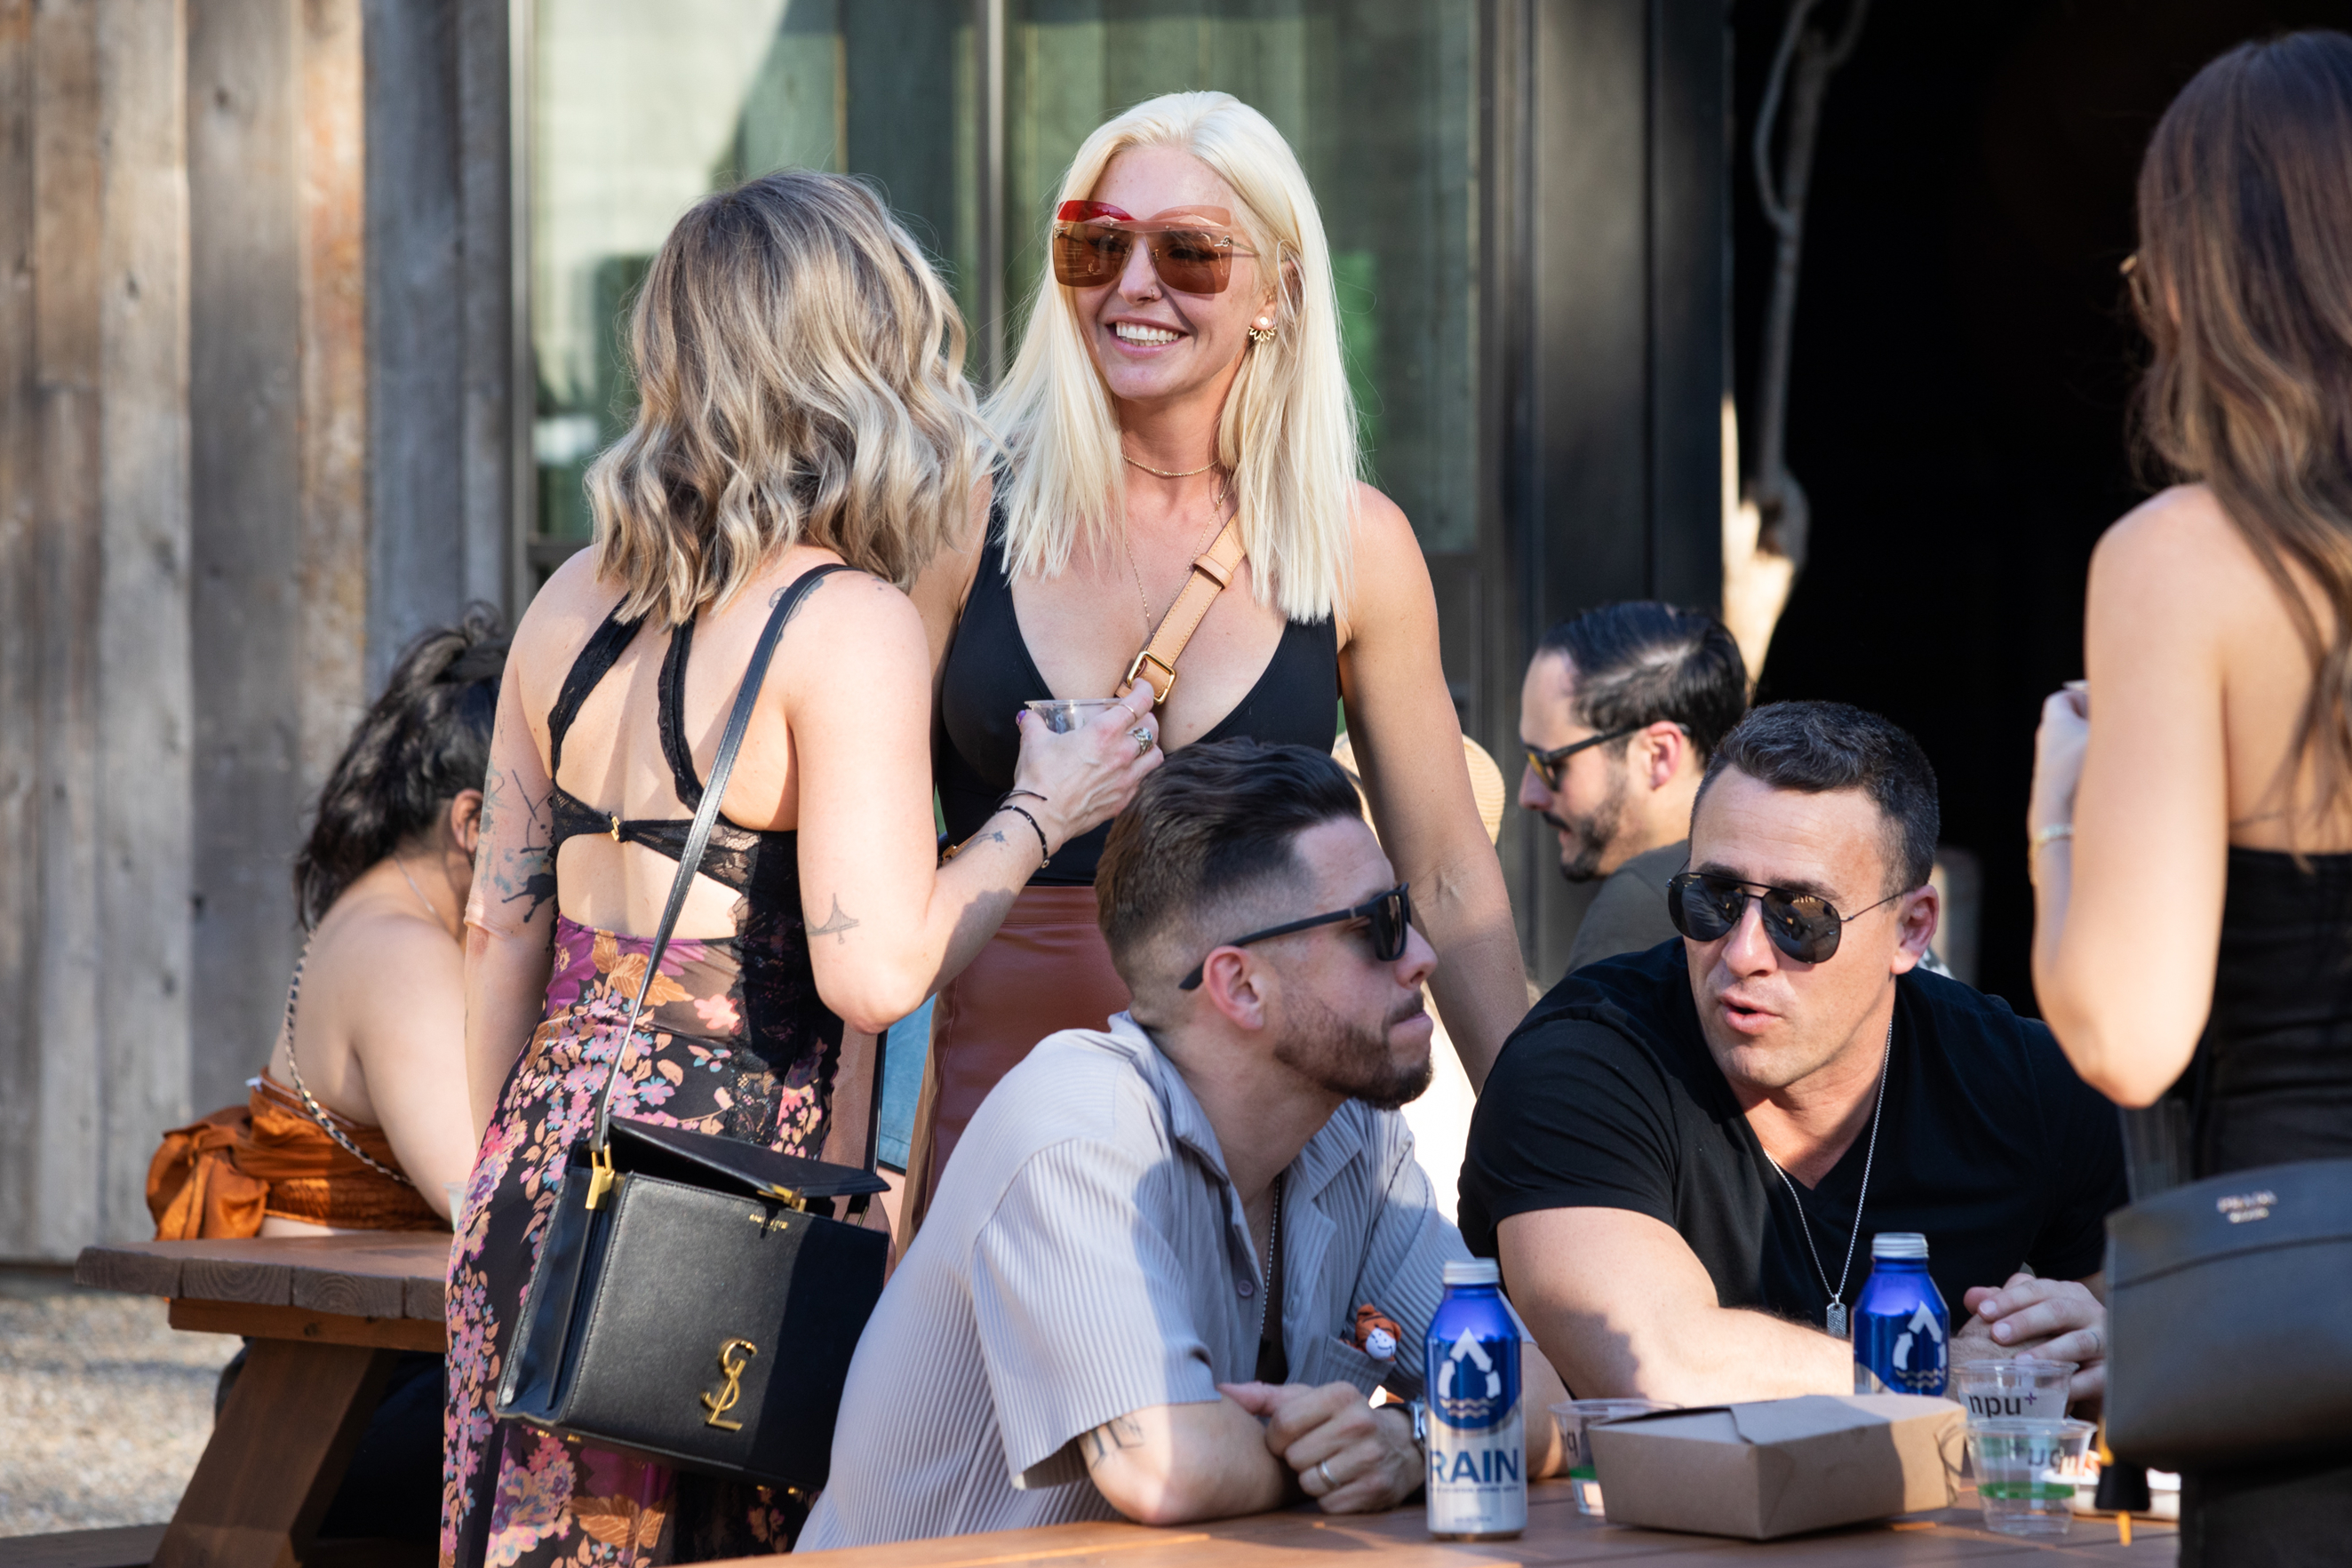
1574 1416
2025 1388
1063 715
2027 1472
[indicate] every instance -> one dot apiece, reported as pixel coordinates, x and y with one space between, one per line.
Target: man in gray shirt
1142 1289
1620 711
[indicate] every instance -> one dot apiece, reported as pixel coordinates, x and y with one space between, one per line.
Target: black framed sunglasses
1804 926
1387 918
1547 763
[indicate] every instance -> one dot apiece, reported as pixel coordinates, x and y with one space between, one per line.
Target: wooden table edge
197 1315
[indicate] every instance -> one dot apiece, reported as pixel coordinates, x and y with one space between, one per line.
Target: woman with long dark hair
359 1122
2191 817
802 416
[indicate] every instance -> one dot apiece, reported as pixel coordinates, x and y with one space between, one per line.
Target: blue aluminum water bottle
1902 1332
1477 1434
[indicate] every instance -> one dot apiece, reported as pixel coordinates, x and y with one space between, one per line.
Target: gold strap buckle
615 830
600 1175
1161 686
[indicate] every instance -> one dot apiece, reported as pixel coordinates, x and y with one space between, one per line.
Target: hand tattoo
1126 1432
838 925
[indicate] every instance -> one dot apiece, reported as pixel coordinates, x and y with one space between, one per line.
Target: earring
1261 335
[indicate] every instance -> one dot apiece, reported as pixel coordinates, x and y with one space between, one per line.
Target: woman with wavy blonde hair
2191 825
803 426
1178 520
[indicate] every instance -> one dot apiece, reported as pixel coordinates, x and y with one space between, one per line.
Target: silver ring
1323 1468
1142 739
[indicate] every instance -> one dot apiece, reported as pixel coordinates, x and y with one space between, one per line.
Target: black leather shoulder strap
705 814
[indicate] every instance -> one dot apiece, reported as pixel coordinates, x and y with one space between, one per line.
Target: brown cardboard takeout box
1779 1466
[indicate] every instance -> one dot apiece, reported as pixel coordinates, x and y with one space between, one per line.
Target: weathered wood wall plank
145 712
244 413
67 176
20 642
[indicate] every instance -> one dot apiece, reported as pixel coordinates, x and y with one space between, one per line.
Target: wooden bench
328 1316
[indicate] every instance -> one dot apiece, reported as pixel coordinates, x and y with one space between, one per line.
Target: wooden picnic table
1557 1533
328 1316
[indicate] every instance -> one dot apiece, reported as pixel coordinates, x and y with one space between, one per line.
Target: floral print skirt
741 1046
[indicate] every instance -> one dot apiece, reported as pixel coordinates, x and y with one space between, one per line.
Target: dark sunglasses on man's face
1387 919
1706 908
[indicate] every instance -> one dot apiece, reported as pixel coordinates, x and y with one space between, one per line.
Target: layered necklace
1837 1313
1216 521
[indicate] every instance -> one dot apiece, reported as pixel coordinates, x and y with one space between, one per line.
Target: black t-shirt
1606 1097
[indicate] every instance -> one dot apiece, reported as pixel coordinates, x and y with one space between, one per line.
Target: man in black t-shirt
1681 1156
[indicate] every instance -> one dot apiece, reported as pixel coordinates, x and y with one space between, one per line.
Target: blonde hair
800 374
1288 428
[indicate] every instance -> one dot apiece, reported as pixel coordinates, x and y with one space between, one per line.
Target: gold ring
1142 739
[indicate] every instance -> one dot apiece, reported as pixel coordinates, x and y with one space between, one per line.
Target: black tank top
990 674
2272 1081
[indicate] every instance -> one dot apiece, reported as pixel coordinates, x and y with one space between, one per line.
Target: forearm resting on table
1645 1323
1171 1464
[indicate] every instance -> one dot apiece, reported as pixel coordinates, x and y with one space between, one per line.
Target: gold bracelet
2046 836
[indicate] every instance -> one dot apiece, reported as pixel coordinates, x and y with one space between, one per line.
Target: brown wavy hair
799 368
2243 285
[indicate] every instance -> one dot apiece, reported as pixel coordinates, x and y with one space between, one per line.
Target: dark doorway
1962 366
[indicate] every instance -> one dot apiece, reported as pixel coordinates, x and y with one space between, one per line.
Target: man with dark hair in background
1620 711
1170 1258
1681 1153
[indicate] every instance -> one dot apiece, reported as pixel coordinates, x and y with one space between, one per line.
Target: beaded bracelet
1042 846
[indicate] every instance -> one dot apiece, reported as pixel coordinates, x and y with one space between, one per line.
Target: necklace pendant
1837 1321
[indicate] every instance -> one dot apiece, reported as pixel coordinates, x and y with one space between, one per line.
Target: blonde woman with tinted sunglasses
1179 397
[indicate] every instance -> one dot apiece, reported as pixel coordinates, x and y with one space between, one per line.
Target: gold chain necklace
1170 474
1216 521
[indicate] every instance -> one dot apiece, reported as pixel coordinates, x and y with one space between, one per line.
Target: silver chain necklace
1836 1322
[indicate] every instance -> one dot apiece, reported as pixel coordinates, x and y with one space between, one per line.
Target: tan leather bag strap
1155 665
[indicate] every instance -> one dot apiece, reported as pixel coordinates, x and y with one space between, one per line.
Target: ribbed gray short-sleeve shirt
1087 1256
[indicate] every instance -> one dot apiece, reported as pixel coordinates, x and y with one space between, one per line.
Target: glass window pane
1377 97
640 109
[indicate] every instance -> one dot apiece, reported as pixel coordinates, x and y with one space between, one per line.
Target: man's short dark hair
1814 747
1209 827
1642 661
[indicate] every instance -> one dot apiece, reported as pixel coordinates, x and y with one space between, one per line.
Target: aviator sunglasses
1092 241
1704 908
1387 916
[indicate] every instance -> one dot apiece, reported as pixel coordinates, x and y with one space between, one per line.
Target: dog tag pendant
1837 1320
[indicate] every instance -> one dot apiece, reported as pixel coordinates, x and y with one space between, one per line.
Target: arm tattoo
1126 1432
838 925
524 873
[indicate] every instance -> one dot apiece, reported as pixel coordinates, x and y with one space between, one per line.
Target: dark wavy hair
425 742
1639 662
2243 285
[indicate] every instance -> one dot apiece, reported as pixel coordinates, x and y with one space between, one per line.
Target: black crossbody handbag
695 1299
2230 1338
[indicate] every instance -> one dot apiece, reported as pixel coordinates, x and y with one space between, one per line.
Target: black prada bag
2229 1319
694 1299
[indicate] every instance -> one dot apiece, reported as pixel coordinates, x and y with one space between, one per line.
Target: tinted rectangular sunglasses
1804 926
1387 919
1191 248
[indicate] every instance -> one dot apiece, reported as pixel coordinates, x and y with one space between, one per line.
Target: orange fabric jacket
221 1176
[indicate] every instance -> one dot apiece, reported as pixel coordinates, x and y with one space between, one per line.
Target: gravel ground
104 1406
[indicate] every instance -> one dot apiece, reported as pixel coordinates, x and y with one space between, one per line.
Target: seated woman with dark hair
360 1121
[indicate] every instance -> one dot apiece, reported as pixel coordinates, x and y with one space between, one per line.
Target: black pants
392 1489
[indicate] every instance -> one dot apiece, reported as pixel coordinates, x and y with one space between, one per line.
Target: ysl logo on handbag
723 1400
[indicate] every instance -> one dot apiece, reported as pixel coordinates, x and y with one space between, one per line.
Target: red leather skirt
1046 968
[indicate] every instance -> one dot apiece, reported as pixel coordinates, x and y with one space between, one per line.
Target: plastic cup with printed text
2025 1388
2027 1472
1574 1416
